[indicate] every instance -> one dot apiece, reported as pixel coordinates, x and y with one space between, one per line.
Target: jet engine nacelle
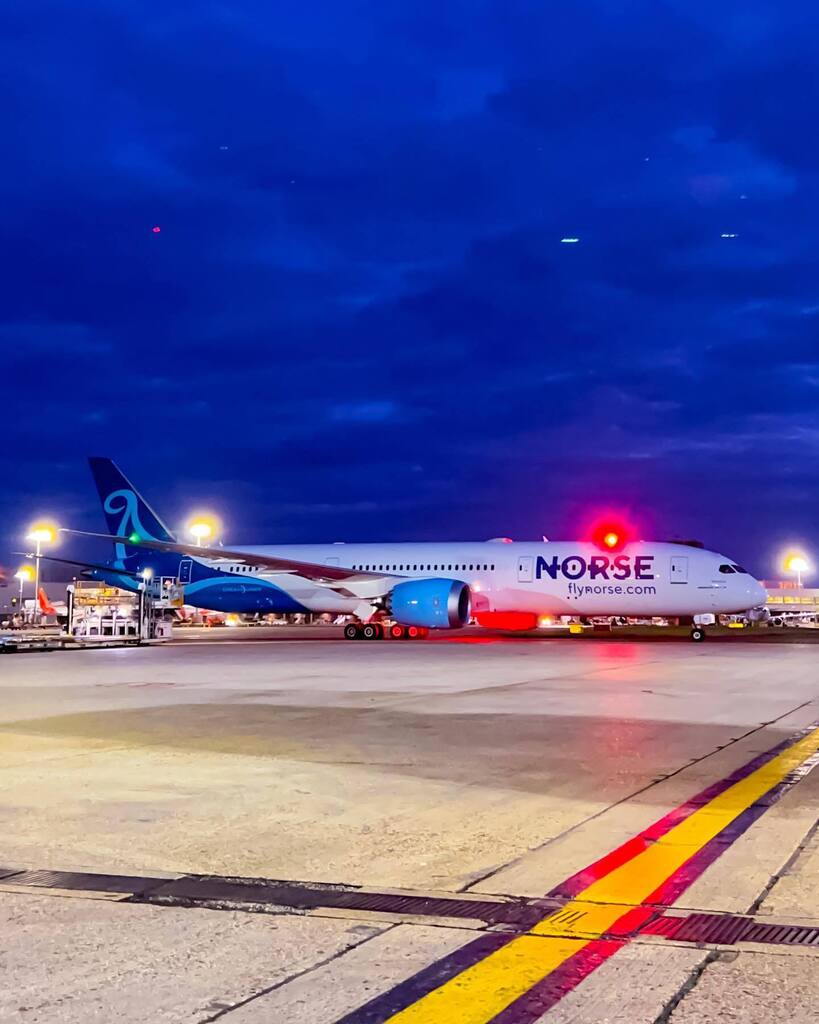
434 604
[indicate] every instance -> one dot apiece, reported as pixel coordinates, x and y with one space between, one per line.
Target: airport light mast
797 564
41 534
24 574
202 529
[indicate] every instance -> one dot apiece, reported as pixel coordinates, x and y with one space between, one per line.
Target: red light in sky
609 535
156 229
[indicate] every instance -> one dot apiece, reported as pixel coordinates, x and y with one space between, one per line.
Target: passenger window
492 567
726 569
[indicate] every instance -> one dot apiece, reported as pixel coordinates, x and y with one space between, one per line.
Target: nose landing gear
698 634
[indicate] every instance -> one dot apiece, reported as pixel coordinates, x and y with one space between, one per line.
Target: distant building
786 595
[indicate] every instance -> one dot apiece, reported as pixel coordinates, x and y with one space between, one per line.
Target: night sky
358 319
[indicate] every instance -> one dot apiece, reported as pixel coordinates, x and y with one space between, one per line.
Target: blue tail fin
126 511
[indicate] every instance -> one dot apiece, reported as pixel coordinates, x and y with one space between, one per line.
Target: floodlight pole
35 618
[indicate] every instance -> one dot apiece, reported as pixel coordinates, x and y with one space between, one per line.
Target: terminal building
786 597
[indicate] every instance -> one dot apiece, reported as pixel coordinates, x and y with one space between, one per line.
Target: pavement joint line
631 796
688 984
518 980
785 869
220 1014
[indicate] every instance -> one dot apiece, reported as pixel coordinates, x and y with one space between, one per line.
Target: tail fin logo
126 502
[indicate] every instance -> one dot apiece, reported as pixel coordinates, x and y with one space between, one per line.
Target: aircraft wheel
372 631
397 632
698 634
352 631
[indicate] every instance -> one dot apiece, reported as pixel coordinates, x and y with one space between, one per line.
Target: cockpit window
727 569
738 568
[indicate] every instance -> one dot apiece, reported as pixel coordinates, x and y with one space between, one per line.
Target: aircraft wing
82 565
272 563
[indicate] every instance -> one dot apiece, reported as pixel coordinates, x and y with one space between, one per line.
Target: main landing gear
381 631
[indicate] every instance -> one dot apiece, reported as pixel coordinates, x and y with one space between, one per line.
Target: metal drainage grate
84 881
727 929
191 889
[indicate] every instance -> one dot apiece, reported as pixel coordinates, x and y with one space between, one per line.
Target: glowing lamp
24 574
612 539
41 534
797 563
202 528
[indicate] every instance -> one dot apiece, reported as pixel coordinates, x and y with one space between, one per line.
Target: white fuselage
549 578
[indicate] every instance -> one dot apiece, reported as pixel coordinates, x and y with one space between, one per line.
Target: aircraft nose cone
758 593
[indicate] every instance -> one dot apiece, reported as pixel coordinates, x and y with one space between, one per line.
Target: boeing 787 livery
420 586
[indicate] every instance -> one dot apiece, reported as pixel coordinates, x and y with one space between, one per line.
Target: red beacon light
609 536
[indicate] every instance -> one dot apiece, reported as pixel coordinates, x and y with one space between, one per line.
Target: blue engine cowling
435 604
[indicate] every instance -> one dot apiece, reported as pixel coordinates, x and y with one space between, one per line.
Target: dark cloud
358 319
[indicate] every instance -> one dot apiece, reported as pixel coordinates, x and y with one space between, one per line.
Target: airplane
416 587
